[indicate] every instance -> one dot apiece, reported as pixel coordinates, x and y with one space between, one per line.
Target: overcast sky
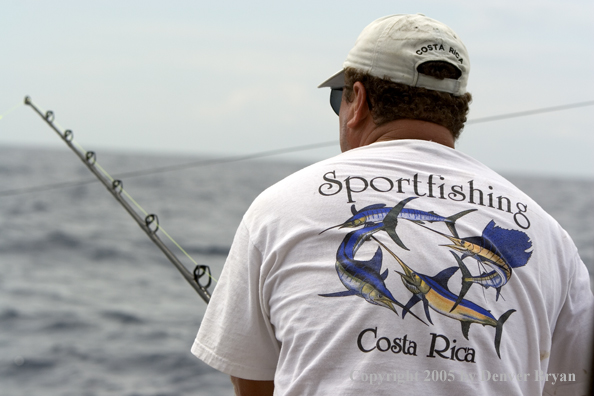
238 77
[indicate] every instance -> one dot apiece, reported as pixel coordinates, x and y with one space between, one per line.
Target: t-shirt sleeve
571 350
236 336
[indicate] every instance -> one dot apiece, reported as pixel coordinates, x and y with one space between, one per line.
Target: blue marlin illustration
434 293
499 248
376 213
362 278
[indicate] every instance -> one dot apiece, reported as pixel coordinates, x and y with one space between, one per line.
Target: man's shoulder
391 159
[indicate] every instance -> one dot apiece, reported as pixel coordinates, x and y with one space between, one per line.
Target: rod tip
27 100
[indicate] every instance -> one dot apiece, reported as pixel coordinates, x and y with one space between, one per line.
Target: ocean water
89 306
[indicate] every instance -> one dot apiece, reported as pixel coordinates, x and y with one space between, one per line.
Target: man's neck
408 129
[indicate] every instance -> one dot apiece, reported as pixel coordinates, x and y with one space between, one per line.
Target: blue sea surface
89 306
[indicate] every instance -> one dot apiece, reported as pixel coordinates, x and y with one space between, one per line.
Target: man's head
411 67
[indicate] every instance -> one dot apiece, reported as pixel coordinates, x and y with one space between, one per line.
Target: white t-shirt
326 263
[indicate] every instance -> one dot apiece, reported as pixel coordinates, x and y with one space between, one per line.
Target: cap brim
336 81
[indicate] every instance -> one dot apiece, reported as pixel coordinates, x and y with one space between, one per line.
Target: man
400 266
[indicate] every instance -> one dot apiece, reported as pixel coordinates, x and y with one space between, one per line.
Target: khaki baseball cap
394 46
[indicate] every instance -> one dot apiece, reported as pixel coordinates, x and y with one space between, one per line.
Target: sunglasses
336 99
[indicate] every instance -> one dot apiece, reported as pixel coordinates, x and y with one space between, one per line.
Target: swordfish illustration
434 293
379 213
362 278
499 248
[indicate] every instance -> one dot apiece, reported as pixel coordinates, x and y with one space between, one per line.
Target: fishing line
170 168
261 154
7 112
150 224
45 187
530 112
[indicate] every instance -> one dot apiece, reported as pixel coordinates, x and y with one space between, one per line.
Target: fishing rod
149 224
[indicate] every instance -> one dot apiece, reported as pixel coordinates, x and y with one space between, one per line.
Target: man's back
401 265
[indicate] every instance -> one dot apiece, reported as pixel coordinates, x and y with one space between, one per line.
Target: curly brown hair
389 101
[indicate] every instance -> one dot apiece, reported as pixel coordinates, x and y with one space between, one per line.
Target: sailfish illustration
434 293
362 278
499 248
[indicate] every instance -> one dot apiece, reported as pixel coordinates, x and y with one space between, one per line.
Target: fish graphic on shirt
500 249
435 294
379 213
362 278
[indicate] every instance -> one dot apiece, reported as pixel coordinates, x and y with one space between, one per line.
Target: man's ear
359 108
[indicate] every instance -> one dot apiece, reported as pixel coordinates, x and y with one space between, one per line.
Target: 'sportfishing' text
431 187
